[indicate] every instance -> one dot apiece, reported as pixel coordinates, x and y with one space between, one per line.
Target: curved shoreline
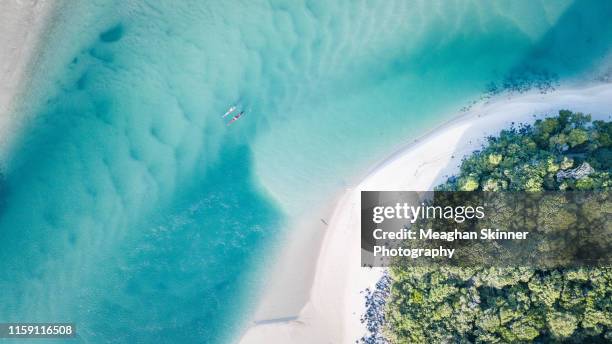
22 32
335 301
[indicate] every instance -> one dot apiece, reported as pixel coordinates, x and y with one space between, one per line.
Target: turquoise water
131 209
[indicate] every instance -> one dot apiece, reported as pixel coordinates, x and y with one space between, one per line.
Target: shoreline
23 27
335 301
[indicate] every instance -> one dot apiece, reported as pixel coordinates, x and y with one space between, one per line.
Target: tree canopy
514 304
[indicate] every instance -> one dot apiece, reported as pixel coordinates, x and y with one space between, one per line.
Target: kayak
236 118
230 110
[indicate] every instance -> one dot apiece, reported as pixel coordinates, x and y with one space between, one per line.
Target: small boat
237 117
230 110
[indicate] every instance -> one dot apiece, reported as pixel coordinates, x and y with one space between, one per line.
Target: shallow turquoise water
131 209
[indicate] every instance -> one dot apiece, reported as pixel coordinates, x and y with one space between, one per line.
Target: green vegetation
528 158
519 304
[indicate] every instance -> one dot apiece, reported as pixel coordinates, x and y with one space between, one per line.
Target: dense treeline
529 158
515 305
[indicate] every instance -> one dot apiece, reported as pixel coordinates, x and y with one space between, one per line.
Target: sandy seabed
23 25
321 300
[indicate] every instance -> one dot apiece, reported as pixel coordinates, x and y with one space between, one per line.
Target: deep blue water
131 209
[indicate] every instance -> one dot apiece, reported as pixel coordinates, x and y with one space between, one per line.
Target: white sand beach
331 302
22 27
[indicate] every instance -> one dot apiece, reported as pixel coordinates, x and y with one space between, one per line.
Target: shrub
514 305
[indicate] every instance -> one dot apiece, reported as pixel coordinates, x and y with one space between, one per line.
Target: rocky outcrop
577 173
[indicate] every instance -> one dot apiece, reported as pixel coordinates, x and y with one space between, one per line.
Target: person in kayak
236 117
